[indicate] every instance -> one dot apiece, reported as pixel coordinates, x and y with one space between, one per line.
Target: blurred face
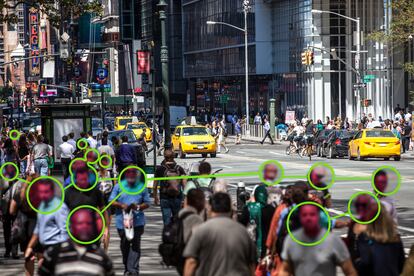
82 179
131 177
365 207
82 225
270 172
10 171
309 217
317 175
381 182
45 192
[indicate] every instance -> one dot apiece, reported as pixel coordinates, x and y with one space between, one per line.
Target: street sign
360 85
369 77
101 75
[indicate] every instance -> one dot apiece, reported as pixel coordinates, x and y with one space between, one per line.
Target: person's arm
13 207
32 243
113 195
155 193
348 268
286 269
190 266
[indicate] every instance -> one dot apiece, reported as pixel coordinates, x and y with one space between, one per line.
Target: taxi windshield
123 122
188 131
136 126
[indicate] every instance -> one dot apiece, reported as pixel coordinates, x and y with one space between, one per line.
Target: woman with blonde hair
376 248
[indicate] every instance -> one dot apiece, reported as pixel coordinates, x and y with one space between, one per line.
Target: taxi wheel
386 159
331 154
213 155
204 155
397 158
181 153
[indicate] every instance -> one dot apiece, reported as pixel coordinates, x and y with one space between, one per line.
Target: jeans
40 166
131 250
405 143
170 208
65 166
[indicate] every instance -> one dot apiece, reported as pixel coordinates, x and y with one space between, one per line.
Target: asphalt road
247 158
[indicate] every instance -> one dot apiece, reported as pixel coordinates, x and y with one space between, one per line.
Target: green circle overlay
86 155
17 134
362 193
398 183
73 161
277 164
143 186
72 181
55 181
307 243
9 179
329 167
82 140
110 161
85 207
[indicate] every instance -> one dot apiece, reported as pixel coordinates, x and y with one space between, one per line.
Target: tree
401 28
56 10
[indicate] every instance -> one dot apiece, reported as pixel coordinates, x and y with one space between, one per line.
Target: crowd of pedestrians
204 231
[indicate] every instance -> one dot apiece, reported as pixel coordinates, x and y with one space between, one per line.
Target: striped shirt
68 259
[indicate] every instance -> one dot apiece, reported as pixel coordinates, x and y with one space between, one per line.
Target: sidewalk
254 140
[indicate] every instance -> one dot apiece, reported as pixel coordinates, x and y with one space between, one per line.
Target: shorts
308 139
297 138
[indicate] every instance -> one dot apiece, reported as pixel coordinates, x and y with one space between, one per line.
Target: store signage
34 63
143 60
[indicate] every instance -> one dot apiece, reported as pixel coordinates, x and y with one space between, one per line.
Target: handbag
18 228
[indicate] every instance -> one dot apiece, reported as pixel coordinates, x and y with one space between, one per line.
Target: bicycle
307 149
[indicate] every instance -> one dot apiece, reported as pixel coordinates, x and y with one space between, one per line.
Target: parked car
375 143
320 139
337 143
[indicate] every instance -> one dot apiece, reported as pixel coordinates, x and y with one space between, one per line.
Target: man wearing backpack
176 235
203 184
171 195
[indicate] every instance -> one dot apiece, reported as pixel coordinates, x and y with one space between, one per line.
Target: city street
247 158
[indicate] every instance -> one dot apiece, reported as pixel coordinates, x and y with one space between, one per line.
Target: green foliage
56 10
402 26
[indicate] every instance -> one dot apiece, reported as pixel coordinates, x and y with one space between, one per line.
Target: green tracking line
110 203
205 176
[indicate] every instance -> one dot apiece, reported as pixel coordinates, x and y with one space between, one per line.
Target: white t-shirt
92 142
299 130
407 117
66 150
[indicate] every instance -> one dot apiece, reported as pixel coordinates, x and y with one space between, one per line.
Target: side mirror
177 134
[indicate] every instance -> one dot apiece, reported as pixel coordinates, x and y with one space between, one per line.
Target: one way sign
360 85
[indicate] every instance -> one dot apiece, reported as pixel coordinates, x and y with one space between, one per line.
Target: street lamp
246 7
358 46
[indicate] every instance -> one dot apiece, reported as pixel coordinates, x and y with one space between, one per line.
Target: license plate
383 145
200 147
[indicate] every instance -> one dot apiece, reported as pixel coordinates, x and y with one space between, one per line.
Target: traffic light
305 58
310 58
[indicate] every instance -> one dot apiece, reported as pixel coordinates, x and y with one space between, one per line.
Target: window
379 133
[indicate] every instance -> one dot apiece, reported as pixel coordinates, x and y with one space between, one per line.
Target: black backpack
172 247
294 224
208 191
172 187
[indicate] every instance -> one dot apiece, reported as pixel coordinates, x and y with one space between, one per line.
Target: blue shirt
126 154
51 228
139 217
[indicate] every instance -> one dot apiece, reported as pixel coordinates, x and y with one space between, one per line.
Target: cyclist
299 130
309 132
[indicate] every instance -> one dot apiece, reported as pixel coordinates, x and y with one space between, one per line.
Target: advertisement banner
290 117
143 62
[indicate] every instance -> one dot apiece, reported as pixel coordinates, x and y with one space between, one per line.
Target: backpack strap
196 183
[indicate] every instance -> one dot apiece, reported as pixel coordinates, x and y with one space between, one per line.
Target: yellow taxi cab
375 143
193 139
121 121
138 128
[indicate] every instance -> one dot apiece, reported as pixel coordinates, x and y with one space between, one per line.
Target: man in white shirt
92 142
65 152
266 128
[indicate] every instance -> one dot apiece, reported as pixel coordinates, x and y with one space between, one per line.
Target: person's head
220 186
124 139
366 207
298 195
105 133
131 177
169 155
381 181
220 204
83 134
309 218
204 168
71 135
270 172
82 178
45 190
114 140
90 133
196 199
260 194
319 122
317 175
40 139
383 229
65 138
83 225
22 140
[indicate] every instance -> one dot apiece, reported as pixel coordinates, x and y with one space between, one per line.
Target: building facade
279 31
